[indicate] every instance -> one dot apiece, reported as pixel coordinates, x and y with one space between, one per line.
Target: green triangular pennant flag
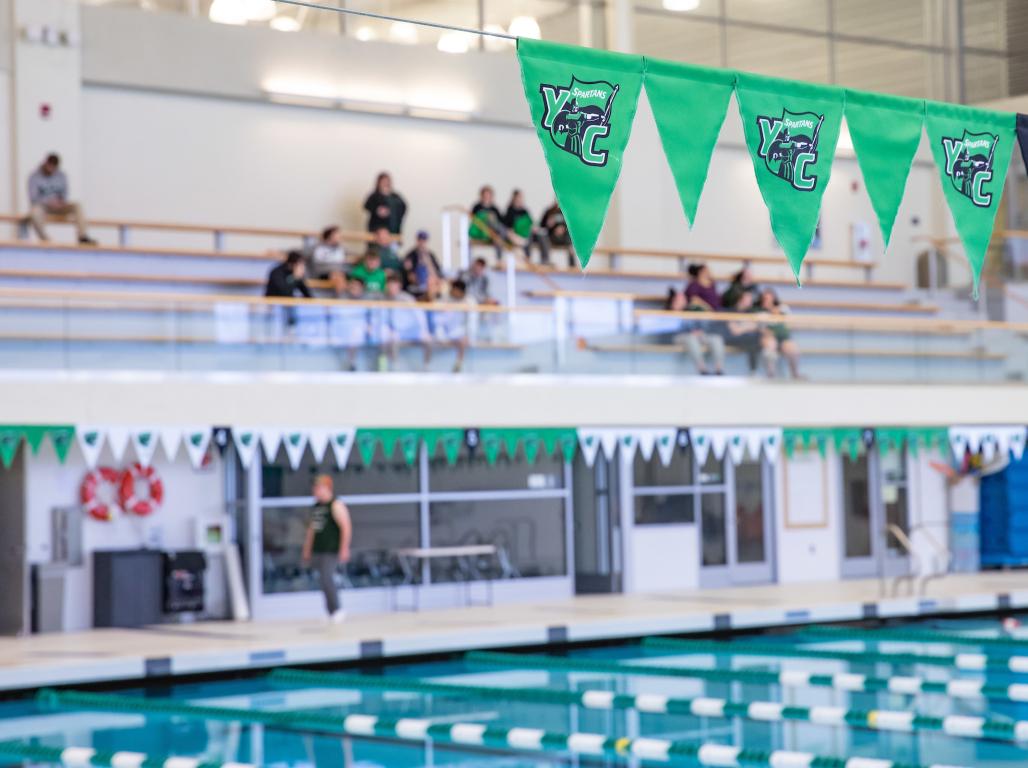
511 438
10 439
885 131
791 131
568 444
532 443
409 442
61 439
34 437
689 105
972 149
491 444
452 439
367 441
582 103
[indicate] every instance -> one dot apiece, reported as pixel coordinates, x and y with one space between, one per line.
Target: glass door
735 523
875 514
597 529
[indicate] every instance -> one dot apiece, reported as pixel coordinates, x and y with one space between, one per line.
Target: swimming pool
850 697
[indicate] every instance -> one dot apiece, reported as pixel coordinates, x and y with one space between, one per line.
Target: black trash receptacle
184 581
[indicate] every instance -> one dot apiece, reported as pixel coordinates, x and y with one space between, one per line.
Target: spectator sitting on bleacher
742 282
420 267
451 328
370 273
748 336
770 304
328 259
556 228
401 324
476 282
48 198
385 208
701 291
519 220
385 246
349 324
487 224
698 338
287 279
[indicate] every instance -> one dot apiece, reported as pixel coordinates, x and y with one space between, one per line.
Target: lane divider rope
967 662
918 636
84 757
765 711
414 729
787 678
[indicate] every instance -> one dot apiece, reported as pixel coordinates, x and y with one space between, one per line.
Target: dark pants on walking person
326 563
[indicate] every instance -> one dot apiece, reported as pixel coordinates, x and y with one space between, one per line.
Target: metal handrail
908 546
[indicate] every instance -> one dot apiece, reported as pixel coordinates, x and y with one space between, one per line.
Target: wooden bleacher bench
217 232
198 253
677 278
666 349
796 304
684 258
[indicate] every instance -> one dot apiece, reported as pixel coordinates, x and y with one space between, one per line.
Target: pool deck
102 655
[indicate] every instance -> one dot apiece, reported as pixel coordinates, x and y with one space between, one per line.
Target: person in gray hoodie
48 198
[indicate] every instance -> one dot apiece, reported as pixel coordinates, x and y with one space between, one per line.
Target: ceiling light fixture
454 42
228 12
681 5
403 32
259 10
285 24
525 26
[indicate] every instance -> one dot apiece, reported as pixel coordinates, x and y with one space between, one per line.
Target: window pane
903 71
474 473
715 545
530 533
653 472
664 508
856 506
985 24
886 20
749 513
378 530
381 476
986 77
894 494
713 471
678 38
800 57
792 14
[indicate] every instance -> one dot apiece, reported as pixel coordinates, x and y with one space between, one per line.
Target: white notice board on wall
805 490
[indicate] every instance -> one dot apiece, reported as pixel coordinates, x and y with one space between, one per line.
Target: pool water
298 744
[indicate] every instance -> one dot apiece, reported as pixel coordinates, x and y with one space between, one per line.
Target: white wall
663 557
189 495
169 157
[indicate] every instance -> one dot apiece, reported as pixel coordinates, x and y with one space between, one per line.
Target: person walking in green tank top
327 543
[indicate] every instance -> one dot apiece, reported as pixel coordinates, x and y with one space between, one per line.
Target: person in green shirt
370 272
519 220
327 543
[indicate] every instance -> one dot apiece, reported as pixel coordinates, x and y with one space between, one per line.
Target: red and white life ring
132 478
99 493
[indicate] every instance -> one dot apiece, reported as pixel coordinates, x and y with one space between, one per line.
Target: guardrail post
219 240
23 228
810 270
560 335
933 270
510 264
447 243
465 243
123 236
615 261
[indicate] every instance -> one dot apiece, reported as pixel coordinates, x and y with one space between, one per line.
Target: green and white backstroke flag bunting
972 149
791 131
689 105
583 103
886 131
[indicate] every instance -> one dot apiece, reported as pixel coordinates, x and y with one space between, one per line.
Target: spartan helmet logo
788 145
577 117
969 165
